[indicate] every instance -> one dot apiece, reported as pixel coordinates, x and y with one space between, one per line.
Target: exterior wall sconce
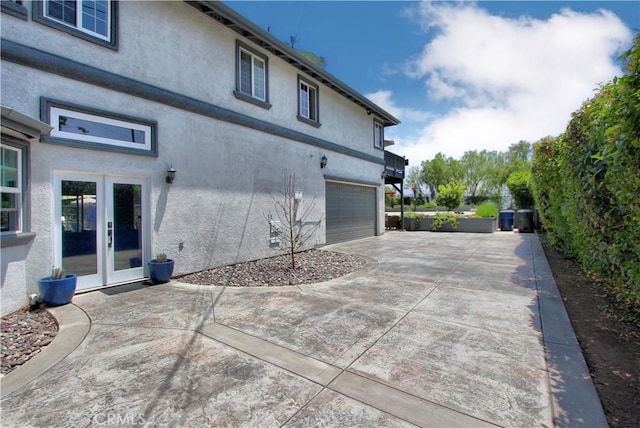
323 162
171 175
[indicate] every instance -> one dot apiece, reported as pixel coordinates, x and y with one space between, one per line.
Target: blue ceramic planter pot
57 292
160 272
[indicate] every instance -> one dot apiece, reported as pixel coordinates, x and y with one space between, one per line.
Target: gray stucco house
101 99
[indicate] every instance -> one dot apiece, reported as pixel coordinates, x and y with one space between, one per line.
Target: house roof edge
241 25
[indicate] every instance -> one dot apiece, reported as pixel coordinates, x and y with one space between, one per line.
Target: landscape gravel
311 267
25 333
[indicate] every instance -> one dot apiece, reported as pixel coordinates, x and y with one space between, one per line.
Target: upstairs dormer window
252 77
93 20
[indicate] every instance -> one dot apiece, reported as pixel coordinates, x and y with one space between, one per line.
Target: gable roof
236 22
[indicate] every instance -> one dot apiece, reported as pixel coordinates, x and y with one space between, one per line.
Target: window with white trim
93 20
90 16
252 74
378 135
90 128
11 189
307 100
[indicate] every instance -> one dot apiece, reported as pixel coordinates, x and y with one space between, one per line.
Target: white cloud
383 99
509 79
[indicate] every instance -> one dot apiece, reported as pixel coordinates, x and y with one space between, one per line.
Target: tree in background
495 177
519 154
483 173
474 166
438 171
391 198
415 183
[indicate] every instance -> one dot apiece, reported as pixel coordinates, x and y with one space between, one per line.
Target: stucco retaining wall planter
465 224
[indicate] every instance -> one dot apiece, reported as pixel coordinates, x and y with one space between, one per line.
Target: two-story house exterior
132 128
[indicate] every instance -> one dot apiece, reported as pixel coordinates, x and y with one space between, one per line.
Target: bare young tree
291 224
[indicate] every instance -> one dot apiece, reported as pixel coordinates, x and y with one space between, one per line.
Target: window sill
13 9
309 121
244 97
16 239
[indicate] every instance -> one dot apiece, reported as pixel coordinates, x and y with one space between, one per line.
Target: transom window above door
89 128
93 20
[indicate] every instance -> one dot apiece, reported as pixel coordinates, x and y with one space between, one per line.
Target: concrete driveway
439 330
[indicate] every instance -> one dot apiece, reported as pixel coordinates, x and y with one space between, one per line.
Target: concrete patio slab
332 329
332 409
441 330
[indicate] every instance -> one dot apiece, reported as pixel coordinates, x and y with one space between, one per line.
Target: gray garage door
351 212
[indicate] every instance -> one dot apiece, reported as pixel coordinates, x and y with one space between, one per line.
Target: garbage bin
525 221
505 219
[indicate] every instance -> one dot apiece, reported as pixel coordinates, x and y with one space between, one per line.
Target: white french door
101 227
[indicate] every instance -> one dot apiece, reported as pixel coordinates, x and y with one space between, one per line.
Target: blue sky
465 75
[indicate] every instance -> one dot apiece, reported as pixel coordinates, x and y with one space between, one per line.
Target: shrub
520 188
586 185
487 209
417 216
450 195
442 219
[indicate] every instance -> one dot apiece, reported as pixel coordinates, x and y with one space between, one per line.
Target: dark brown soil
610 347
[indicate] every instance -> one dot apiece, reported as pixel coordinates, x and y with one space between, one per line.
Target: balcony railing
394 167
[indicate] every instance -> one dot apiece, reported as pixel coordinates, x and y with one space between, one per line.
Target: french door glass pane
79 251
127 228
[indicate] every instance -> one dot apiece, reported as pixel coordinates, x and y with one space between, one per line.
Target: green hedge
586 184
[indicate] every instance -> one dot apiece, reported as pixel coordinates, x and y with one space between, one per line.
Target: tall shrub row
586 184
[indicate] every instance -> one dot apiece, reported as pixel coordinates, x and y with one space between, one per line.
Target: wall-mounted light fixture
382 175
369 112
171 175
323 161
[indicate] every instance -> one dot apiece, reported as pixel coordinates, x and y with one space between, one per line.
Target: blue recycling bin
505 219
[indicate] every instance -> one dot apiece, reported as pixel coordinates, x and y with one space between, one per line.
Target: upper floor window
91 19
307 102
378 135
89 128
11 188
252 76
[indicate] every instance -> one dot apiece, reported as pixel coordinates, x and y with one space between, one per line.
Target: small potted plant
58 288
160 269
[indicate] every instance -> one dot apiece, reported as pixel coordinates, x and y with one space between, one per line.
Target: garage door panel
351 212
